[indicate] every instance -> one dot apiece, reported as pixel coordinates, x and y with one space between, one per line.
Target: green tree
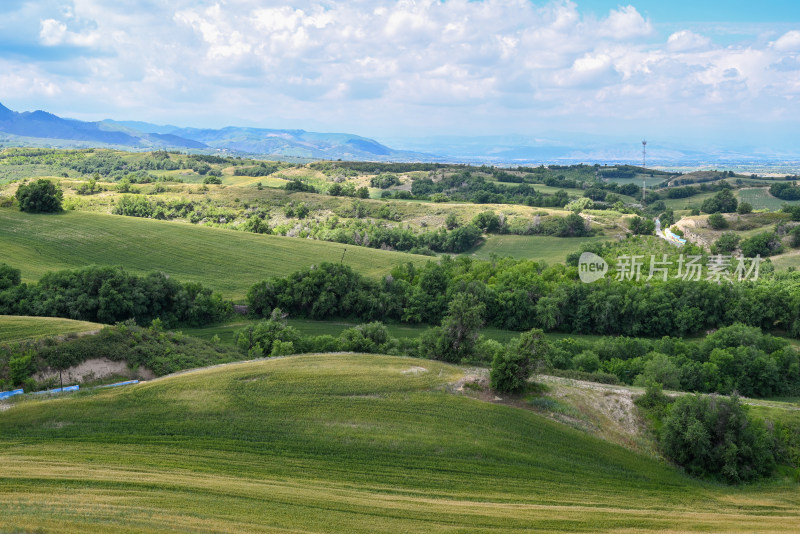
451 221
512 368
488 221
726 243
266 337
257 225
587 361
795 233
41 196
744 208
723 202
763 244
20 367
461 325
641 226
715 436
9 276
660 369
573 225
717 221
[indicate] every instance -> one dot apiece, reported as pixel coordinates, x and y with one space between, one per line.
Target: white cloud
367 65
687 41
625 23
788 42
55 33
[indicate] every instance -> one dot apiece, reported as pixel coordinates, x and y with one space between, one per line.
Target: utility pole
644 168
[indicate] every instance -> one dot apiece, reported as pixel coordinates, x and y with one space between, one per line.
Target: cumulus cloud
54 32
625 23
788 42
687 41
372 64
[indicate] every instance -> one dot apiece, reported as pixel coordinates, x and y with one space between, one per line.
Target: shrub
763 244
9 276
384 181
133 206
587 361
20 367
297 185
661 369
717 221
572 225
714 436
726 243
510 372
42 196
795 233
744 208
641 226
512 368
654 399
451 221
271 337
488 221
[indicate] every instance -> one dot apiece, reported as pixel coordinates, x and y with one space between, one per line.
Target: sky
723 72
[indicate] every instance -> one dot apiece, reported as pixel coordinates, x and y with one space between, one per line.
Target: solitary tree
512 368
724 202
42 196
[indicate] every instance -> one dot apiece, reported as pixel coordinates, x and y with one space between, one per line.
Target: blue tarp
7 394
58 390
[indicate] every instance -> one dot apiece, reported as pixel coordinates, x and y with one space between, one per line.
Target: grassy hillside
13 328
339 443
760 199
225 260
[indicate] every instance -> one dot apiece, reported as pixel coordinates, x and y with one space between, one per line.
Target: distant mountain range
39 128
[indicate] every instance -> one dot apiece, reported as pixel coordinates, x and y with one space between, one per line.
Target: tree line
519 295
110 295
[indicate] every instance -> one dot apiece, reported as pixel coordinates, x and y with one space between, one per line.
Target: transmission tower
644 167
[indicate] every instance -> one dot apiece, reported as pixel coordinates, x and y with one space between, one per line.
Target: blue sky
682 11
726 73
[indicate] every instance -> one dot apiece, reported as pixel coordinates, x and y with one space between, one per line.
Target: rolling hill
18 328
227 261
339 443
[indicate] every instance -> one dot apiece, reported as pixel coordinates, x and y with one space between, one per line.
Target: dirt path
633 391
603 410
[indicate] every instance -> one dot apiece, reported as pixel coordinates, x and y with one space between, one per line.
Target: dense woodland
109 295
